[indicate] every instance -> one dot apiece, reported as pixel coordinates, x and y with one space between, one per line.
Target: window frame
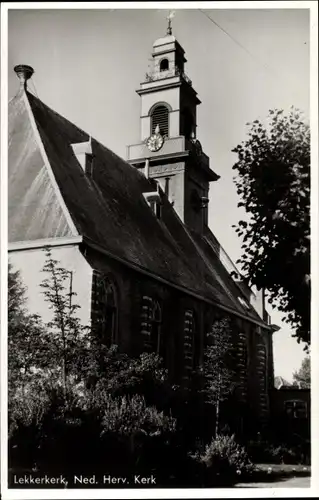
151 114
294 409
160 64
156 328
190 321
101 307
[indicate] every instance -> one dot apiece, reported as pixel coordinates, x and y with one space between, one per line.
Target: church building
134 233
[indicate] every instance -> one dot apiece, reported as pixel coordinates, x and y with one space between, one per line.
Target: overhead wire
266 67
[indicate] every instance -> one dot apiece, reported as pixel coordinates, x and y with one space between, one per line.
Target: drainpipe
147 168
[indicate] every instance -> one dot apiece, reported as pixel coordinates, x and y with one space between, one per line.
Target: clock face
155 142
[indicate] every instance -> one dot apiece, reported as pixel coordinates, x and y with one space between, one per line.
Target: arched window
261 362
164 65
242 361
152 325
156 329
104 308
189 340
159 116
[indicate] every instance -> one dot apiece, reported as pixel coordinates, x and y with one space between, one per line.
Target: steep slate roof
51 196
34 210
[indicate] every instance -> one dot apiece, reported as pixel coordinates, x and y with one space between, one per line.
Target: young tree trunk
64 371
217 418
217 406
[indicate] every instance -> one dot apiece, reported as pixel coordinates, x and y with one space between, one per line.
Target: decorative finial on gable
24 73
169 19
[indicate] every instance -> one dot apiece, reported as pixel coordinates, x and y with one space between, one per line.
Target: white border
160 493
164 5
314 243
3 245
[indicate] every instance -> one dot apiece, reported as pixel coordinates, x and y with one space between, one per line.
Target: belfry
168 139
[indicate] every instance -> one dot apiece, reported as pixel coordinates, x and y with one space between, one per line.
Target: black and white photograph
159 174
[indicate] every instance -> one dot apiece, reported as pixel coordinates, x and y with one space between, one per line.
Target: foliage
70 339
116 373
130 416
282 454
16 293
302 377
93 408
278 452
81 399
217 368
29 344
273 180
28 407
224 460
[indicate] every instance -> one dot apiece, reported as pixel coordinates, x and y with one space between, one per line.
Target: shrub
130 416
225 461
81 429
279 453
40 420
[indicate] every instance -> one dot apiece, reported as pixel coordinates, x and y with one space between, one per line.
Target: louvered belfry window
160 117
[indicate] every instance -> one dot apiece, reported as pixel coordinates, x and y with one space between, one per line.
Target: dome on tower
164 40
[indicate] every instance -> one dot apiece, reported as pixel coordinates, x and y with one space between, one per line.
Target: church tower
169 150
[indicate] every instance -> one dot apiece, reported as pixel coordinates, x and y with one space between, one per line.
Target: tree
273 180
30 350
70 337
302 377
217 368
28 345
16 293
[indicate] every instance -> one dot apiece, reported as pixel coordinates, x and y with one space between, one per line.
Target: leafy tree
217 367
16 293
28 344
273 180
66 331
30 362
118 374
302 377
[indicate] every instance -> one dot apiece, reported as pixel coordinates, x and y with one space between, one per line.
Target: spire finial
169 19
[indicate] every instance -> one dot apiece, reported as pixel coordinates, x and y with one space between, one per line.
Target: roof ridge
81 130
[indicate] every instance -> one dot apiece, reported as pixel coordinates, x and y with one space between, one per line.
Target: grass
273 472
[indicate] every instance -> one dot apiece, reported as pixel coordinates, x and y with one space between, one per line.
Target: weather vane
169 19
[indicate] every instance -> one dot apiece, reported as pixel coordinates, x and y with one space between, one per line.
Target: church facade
134 234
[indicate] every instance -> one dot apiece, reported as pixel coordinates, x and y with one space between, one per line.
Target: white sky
88 64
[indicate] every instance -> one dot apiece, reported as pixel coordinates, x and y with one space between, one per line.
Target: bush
225 462
131 416
41 425
279 453
282 454
84 428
